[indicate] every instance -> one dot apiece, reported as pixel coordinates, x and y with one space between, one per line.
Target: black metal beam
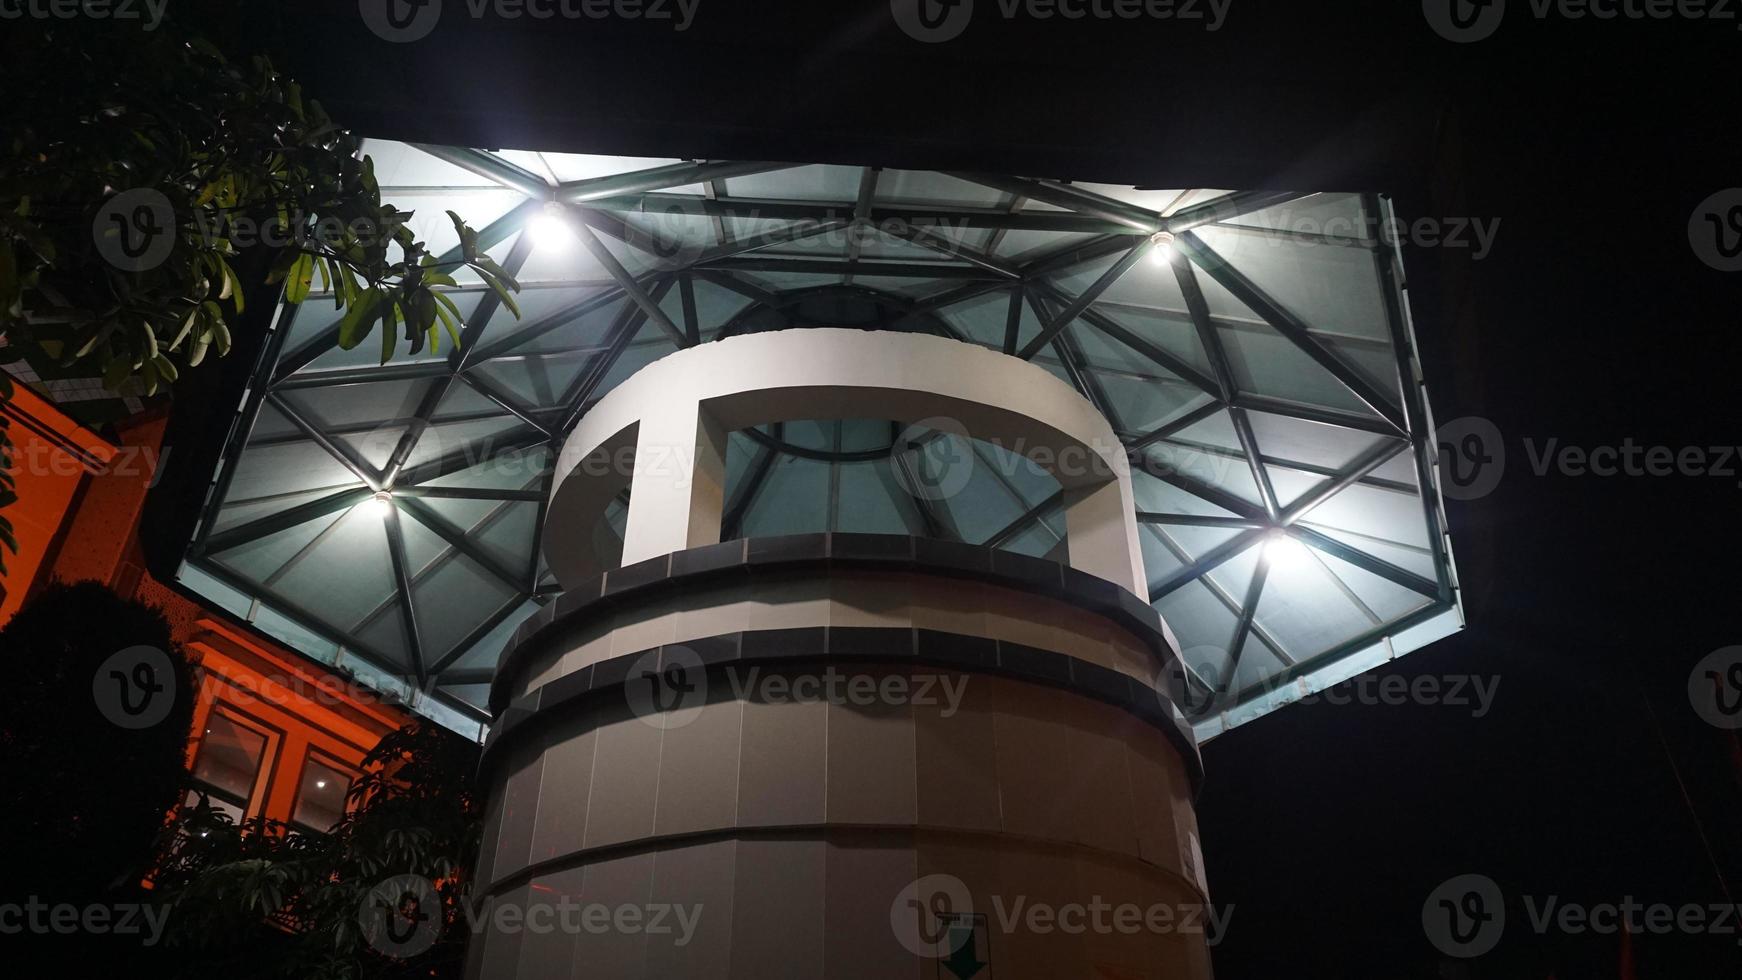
1013 319
686 287
595 190
750 291
1255 461
1205 562
1198 488
1243 289
1179 366
1073 199
1033 515
393 371
861 214
456 538
1174 427
629 285
885 216
466 457
402 581
468 493
551 321
439 669
927 238
1072 254
1313 413
485 387
1242 628
1199 309
1392 290
1362 465
491 167
1083 299
617 339
281 521
1228 206
1362 560
359 468
1196 520
840 267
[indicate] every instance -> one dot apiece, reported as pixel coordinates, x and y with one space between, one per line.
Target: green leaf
187 326
388 337
354 326
232 285
449 315
506 296
300 277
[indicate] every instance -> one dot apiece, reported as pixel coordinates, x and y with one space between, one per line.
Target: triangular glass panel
261 558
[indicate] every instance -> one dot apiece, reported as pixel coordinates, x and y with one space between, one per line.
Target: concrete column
679 489
835 756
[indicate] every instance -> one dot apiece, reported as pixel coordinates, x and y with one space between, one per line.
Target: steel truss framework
1252 349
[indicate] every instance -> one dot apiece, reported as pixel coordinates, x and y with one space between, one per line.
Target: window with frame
227 765
320 794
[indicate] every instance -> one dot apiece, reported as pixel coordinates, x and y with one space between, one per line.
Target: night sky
1591 321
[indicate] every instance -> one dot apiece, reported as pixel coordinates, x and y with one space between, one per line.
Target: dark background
1592 321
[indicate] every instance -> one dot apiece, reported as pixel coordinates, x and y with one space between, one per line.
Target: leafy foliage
141 170
416 811
77 784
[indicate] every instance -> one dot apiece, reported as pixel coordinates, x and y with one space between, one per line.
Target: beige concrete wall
794 825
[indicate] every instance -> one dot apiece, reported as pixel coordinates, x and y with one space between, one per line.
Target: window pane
230 756
320 799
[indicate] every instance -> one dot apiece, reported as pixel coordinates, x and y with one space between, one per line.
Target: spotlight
1282 551
320 784
381 503
1162 252
550 228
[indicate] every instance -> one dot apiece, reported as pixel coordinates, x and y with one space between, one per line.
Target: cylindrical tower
837 755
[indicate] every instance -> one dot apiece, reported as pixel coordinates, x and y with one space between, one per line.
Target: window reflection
320 796
229 760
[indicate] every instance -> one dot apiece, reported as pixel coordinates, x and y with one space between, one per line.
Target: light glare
381 504
1162 253
550 229
1282 551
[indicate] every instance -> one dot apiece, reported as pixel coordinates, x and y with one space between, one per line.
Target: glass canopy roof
1252 349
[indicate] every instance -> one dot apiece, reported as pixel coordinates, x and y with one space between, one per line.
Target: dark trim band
860 645
651 580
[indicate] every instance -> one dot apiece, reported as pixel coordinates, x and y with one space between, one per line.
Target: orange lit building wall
77 516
